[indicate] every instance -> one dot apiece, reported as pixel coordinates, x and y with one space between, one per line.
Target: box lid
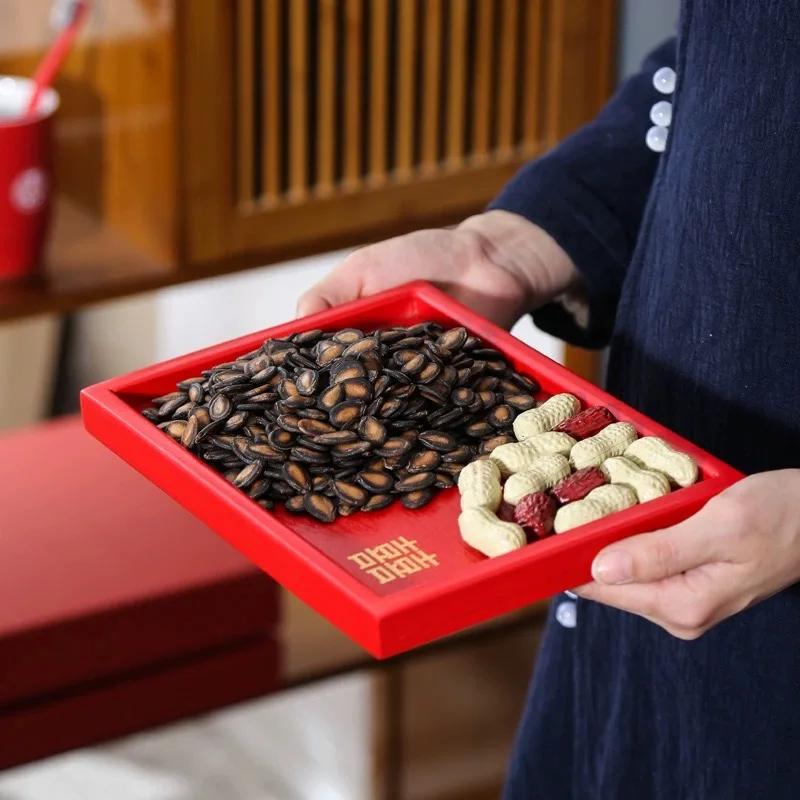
101 572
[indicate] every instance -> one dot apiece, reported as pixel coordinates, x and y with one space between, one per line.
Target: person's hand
497 263
742 547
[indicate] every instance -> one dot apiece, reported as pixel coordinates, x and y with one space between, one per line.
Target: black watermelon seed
438 440
350 493
377 482
424 461
413 483
377 502
319 506
417 499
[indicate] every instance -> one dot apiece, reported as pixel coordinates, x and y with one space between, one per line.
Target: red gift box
118 609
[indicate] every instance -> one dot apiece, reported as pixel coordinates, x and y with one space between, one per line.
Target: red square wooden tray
393 579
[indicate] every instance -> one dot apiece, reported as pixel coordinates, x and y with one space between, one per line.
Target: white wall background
27 356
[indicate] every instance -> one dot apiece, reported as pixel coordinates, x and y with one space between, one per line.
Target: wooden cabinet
202 137
314 120
204 131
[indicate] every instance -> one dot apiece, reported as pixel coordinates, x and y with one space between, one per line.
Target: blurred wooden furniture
351 113
199 138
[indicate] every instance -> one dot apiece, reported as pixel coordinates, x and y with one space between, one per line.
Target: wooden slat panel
378 73
605 41
532 95
298 97
553 68
354 64
578 81
444 195
207 148
456 82
482 86
483 91
271 129
507 76
431 100
326 97
405 88
245 21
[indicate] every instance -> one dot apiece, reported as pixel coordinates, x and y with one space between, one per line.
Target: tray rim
307 571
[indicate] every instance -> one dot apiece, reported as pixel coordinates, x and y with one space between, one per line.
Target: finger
685 605
660 602
622 598
342 284
678 631
644 599
311 303
657 555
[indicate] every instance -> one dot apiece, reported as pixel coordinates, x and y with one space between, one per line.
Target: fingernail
613 567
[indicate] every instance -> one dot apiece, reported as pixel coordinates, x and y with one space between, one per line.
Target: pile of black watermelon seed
329 423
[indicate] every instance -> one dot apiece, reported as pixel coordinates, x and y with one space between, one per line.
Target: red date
535 514
589 422
579 484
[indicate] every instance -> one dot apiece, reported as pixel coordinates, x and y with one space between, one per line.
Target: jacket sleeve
589 194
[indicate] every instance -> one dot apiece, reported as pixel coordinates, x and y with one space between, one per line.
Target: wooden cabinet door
308 125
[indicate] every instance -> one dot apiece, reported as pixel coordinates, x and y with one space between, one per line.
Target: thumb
312 302
655 556
344 283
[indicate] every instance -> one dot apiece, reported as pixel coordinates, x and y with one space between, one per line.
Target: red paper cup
26 176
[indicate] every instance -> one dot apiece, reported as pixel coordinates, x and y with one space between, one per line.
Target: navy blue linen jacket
691 261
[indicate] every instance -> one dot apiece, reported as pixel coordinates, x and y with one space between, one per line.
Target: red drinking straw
73 14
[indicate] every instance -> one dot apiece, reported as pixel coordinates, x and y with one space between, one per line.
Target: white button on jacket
661 112
567 613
